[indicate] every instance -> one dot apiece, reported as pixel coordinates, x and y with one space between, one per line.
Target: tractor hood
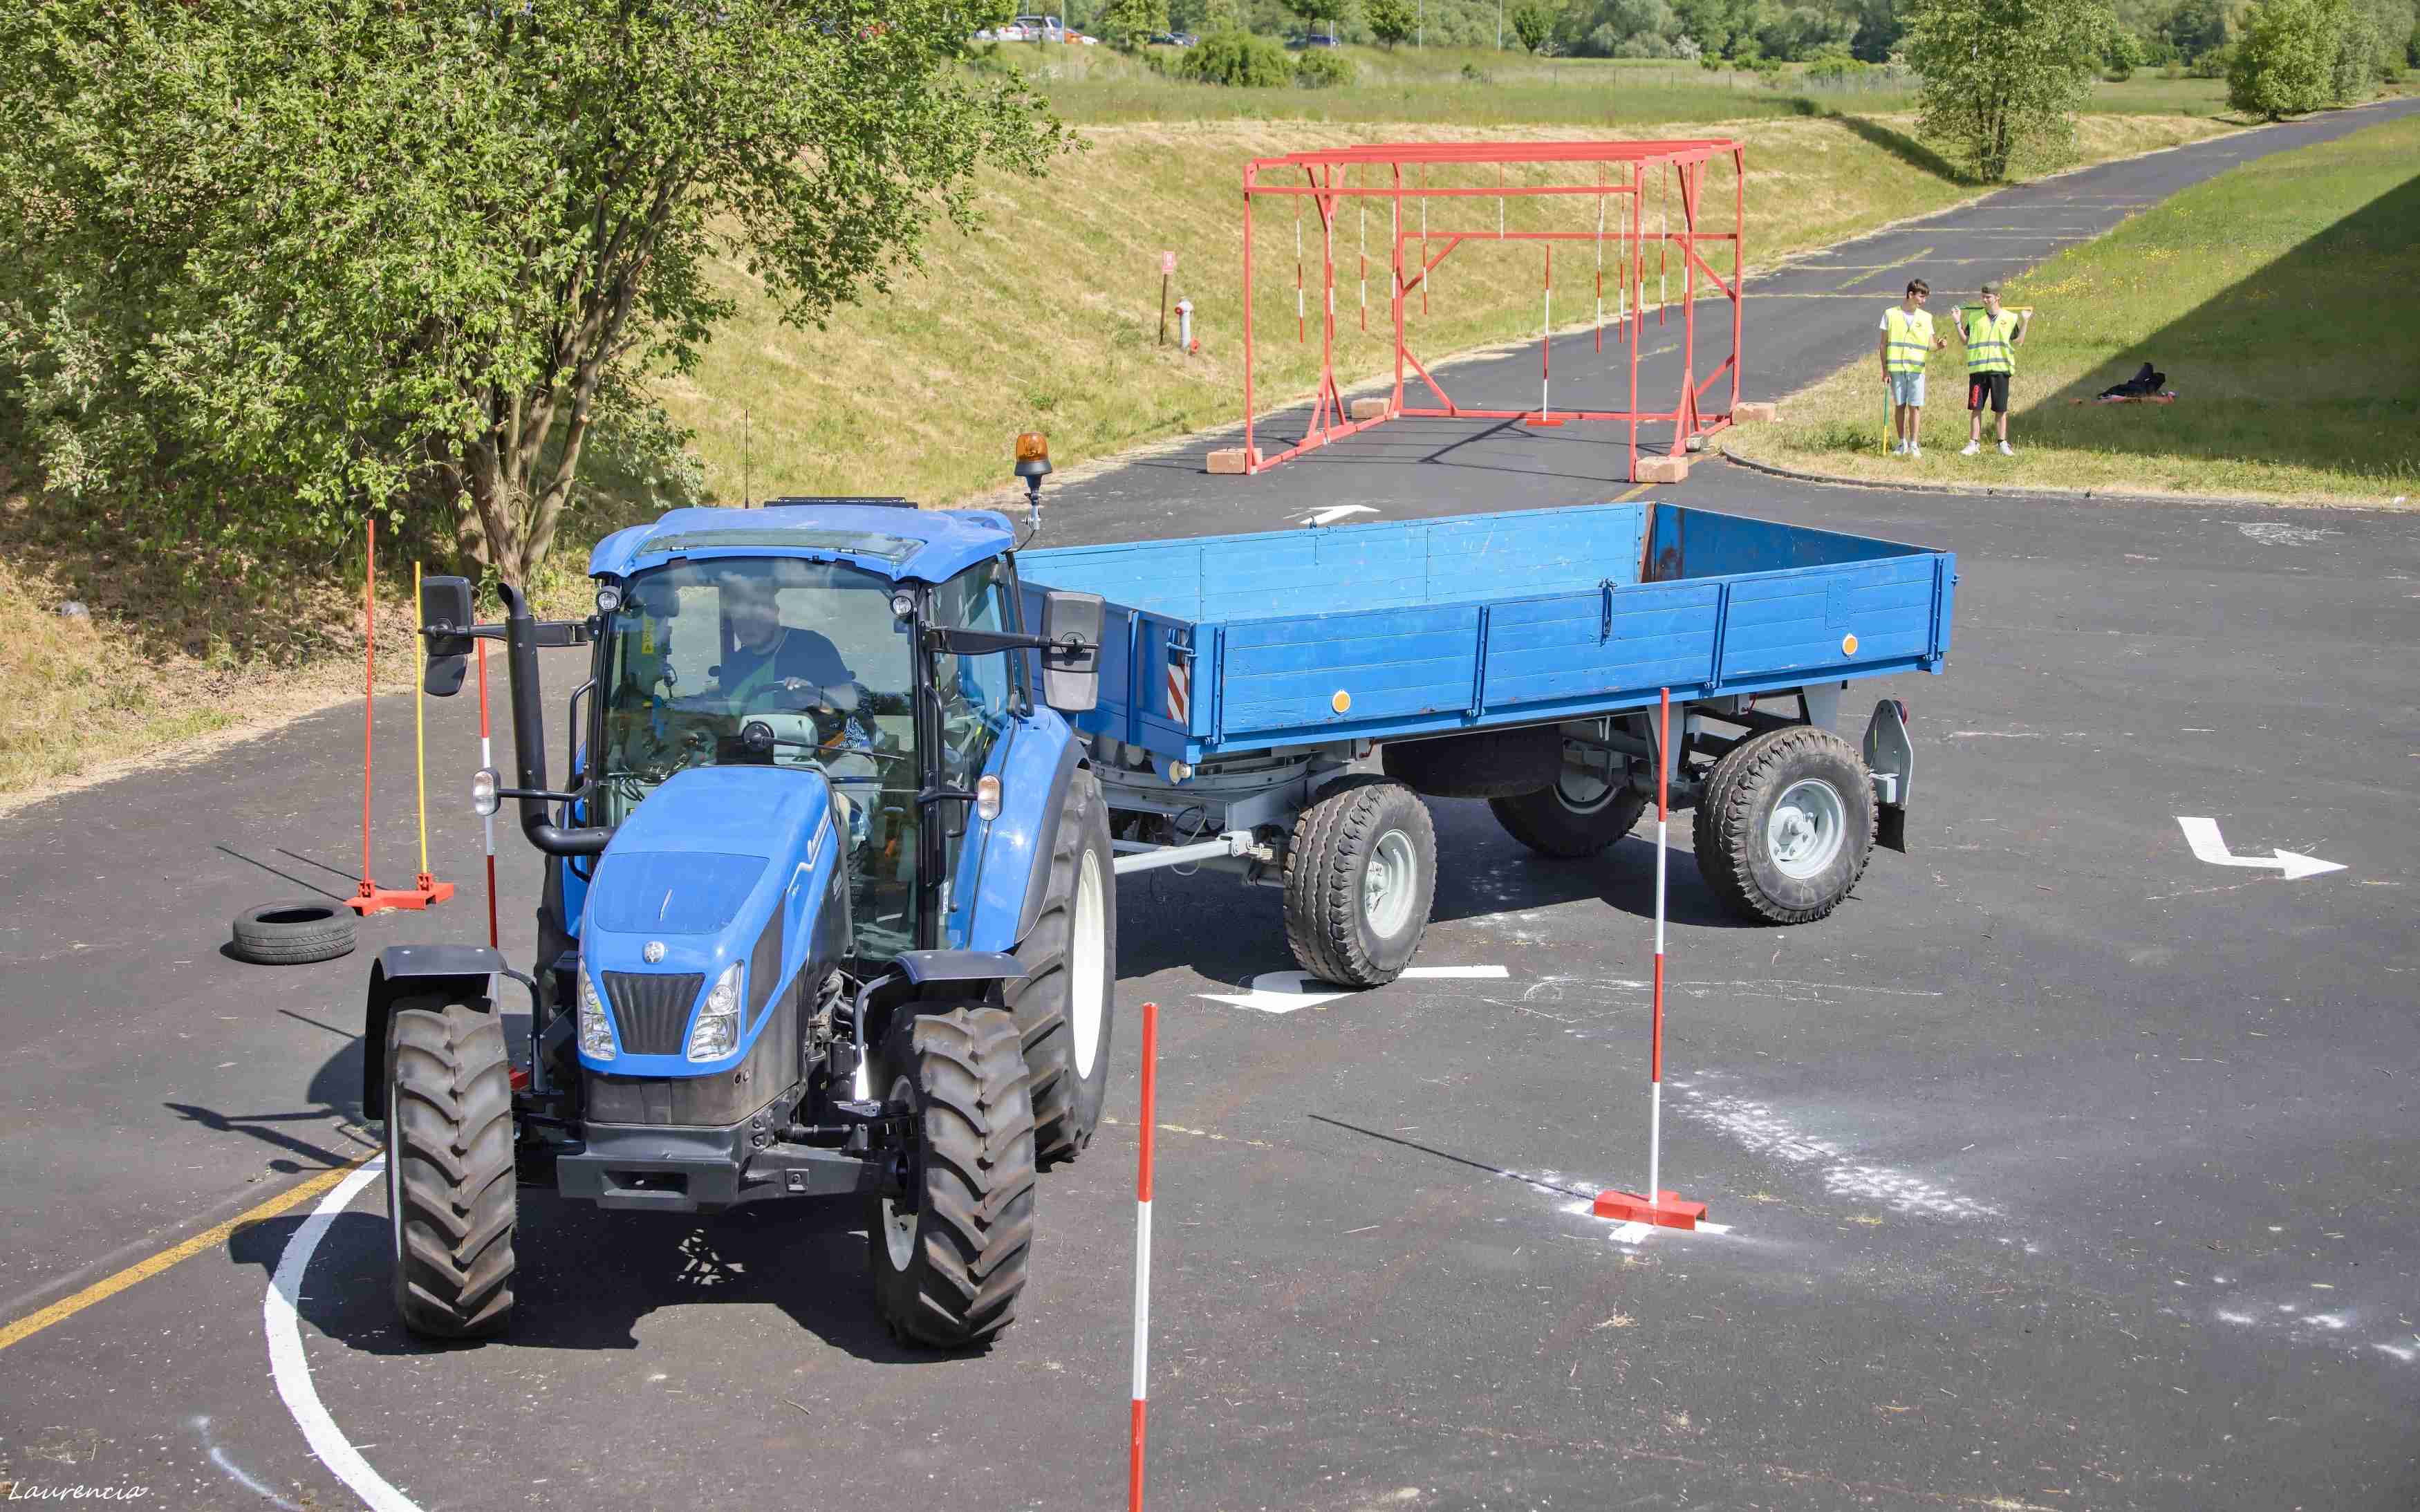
720 866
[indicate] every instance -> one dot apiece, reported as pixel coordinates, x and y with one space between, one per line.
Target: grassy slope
2274 299
1045 316
1048 315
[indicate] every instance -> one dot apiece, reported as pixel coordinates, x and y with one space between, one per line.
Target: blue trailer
1276 703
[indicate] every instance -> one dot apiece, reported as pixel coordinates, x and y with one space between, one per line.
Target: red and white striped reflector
1180 693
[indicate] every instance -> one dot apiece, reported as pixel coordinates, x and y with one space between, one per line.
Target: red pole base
1669 1210
426 892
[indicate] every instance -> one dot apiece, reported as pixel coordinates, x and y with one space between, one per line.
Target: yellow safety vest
1911 339
1988 349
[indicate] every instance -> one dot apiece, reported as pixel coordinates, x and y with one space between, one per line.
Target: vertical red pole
1251 458
1398 299
1739 263
1636 263
488 762
1685 414
1142 1250
1655 1043
370 692
1547 339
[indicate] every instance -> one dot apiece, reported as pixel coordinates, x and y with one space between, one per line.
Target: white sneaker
1899 448
1915 449
1970 449
2004 450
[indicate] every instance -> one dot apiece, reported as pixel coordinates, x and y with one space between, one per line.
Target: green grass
2276 299
1098 85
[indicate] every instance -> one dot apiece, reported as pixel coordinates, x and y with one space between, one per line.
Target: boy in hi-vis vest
1992 339
1907 340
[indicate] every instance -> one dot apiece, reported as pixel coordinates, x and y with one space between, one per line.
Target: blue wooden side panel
1837 617
1574 646
1700 542
1388 664
1345 568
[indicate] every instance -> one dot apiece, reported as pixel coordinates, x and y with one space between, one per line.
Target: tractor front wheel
1066 1003
950 1248
450 1180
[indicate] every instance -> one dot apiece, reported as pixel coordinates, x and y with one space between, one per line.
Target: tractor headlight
595 1035
717 1032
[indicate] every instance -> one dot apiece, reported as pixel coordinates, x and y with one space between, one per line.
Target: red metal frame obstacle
1333 176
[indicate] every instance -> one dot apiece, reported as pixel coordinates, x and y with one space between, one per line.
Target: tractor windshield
700 651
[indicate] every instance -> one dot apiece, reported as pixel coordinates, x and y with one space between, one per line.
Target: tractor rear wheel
1359 879
949 1250
1786 825
1580 814
450 1182
1066 1003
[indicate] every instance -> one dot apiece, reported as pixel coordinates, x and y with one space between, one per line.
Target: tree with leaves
1129 23
1391 21
2003 79
2283 61
1533 23
265 266
1324 13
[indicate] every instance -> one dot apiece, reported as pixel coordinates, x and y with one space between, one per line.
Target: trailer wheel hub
1391 884
1807 828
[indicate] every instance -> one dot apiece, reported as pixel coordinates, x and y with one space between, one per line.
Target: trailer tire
949 1269
292 934
1065 1004
1786 825
450 1178
1360 878
1574 817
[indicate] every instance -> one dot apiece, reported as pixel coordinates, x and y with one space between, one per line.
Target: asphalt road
2062 1169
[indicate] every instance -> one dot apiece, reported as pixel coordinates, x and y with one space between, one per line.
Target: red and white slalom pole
1667 1209
1142 1251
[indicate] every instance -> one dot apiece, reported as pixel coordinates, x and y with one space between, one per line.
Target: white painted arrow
1333 513
1283 992
2202 835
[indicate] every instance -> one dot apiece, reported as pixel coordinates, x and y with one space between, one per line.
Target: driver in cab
764 653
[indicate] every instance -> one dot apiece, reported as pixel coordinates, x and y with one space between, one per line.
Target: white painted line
1632 1233
2203 836
1284 991
1333 513
292 1370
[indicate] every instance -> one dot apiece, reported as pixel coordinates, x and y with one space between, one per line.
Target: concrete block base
1367 408
1230 459
1663 470
1751 411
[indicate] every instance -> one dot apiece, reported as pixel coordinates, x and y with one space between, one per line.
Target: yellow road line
210 1238
1623 499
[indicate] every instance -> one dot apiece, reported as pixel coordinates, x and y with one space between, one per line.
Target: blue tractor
829 910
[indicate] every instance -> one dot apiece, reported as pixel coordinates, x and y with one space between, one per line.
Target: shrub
2285 63
1320 69
1238 60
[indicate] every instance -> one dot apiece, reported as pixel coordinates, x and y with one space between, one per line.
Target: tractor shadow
585 1278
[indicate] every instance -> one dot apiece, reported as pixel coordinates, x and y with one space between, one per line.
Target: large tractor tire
1577 815
1359 879
949 1251
450 1183
1066 1003
1786 825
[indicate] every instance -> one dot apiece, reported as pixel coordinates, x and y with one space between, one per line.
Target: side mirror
445 621
1071 661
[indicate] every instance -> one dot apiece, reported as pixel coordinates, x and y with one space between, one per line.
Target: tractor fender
1040 764
466 973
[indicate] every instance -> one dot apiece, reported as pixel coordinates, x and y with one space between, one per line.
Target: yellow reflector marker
1341 701
1847 646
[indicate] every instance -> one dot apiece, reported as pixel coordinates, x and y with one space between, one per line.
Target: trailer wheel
1359 879
450 1182
949 1249
1786 825
291 934
1065 1002
1581 814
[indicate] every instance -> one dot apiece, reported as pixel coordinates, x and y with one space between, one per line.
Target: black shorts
1993 386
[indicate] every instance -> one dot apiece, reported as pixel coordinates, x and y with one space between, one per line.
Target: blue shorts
1907 388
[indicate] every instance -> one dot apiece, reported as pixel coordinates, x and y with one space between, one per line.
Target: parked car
1315 39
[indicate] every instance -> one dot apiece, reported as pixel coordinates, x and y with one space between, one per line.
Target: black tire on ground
1577 815
950 1253
450 1185
1065 1004
289 934
1359 879
1484 763
1786 825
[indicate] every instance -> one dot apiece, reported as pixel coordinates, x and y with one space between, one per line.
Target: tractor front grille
651 1010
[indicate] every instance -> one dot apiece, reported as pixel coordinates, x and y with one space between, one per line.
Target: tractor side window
977 693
